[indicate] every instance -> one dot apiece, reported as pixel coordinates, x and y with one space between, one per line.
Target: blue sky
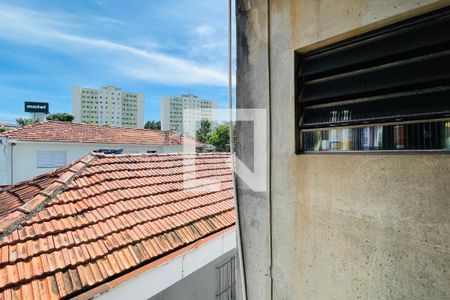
156 47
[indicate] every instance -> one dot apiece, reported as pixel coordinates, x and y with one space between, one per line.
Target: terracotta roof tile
70 230
54 131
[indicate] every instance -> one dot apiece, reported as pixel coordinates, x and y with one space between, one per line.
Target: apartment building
108 105
175 118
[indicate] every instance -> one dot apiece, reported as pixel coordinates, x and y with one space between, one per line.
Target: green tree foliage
63 117
25 121
153 125
204 131
5 128
220 138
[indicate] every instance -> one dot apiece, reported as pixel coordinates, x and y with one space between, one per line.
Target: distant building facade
108 105
173 117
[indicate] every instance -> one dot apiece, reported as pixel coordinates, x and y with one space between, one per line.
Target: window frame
52 155
300 106
231 288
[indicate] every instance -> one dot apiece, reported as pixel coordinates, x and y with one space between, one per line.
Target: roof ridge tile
71 132
12 220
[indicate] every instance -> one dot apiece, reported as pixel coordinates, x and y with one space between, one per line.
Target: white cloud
58 31
204 30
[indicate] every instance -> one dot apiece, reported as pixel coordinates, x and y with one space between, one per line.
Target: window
51 159
385 90
226 281
108 151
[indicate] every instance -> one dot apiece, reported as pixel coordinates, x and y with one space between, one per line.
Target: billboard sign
36 107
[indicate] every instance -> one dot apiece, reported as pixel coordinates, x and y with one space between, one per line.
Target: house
357 101
119 226
35 149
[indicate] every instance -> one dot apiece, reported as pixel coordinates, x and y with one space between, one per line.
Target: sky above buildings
168 47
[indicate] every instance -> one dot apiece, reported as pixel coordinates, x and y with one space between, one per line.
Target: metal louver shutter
51 159
385 90
400 72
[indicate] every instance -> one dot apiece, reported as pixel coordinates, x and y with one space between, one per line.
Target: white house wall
25 160
159 278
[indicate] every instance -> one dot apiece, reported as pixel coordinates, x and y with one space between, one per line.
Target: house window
51 159
226 280
386 90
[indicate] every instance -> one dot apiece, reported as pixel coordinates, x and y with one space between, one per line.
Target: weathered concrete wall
25 156
253 86
282 183
326 21
341 226
371 227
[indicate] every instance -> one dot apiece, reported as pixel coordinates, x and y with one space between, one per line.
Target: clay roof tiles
65 232
54 131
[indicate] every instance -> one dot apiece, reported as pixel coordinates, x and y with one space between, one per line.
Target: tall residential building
173 116
108 105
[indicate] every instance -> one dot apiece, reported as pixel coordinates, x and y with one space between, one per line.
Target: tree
204 131
153 125
63 117
220 138
25 121
5 128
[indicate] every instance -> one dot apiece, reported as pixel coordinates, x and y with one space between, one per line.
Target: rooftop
68 231
54 131
8 124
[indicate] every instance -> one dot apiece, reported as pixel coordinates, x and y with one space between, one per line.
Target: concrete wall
338 226
374 227
201 284
252 91
25 155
